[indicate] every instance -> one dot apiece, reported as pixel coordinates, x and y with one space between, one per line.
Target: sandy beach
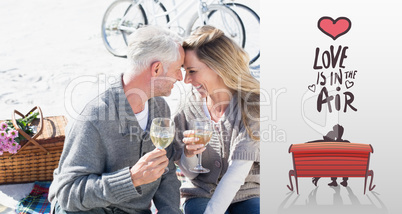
45 45
52 55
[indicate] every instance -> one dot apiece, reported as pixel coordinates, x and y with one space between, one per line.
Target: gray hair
149 44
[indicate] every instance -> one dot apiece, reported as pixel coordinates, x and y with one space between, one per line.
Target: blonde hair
230 62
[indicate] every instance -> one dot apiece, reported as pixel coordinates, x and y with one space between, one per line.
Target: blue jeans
198 206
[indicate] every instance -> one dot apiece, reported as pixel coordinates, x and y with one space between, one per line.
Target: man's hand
149 168
191 148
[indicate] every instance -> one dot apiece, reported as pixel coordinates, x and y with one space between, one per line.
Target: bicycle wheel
152 17
221 17
114 31
156 12
251 23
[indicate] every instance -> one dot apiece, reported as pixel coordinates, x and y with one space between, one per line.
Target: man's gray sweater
101 145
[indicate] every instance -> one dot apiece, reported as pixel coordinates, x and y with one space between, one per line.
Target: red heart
334 29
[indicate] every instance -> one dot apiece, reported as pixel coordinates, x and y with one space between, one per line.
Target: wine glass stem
199 160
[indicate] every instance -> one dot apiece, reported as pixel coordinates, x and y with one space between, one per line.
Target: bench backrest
331 159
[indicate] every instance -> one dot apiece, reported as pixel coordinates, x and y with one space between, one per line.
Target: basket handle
29 138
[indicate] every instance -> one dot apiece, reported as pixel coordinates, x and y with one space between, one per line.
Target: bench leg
292 173
371 187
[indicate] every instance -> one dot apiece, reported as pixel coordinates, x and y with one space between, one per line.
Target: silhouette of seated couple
333 136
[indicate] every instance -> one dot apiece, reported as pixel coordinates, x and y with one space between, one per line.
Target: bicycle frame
179 13
124 17
173 19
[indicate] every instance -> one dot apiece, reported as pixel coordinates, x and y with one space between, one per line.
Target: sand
45 46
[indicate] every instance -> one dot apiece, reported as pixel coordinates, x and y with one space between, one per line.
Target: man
109 164
333 136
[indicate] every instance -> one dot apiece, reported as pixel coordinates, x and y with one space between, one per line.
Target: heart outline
311 87
349 84
332 26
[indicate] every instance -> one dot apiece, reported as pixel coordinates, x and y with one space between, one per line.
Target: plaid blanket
36 202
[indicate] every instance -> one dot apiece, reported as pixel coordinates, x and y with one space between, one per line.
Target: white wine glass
162 133
203 131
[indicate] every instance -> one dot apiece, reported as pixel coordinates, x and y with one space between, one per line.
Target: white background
290 38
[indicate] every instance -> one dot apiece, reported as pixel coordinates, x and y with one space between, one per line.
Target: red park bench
331 159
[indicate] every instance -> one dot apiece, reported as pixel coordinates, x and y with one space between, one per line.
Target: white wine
162 133
161 141
203 136
203 131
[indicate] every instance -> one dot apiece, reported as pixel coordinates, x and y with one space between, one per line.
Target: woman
225 92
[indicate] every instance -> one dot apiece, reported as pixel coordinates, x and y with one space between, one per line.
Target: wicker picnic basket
39 154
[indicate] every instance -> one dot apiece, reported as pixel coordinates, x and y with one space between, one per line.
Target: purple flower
6 145
14 147
3 135
3 126
13 150
7 141
10 140
12 134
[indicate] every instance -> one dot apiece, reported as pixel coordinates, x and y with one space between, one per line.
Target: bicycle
251 23
123 17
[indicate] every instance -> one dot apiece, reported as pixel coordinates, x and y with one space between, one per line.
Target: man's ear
156 69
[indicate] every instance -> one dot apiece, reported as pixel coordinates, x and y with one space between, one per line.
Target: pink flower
12 134
6 145
3 135
3 126
13 150
9 141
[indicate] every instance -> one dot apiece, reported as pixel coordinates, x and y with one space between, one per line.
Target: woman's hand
191 148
